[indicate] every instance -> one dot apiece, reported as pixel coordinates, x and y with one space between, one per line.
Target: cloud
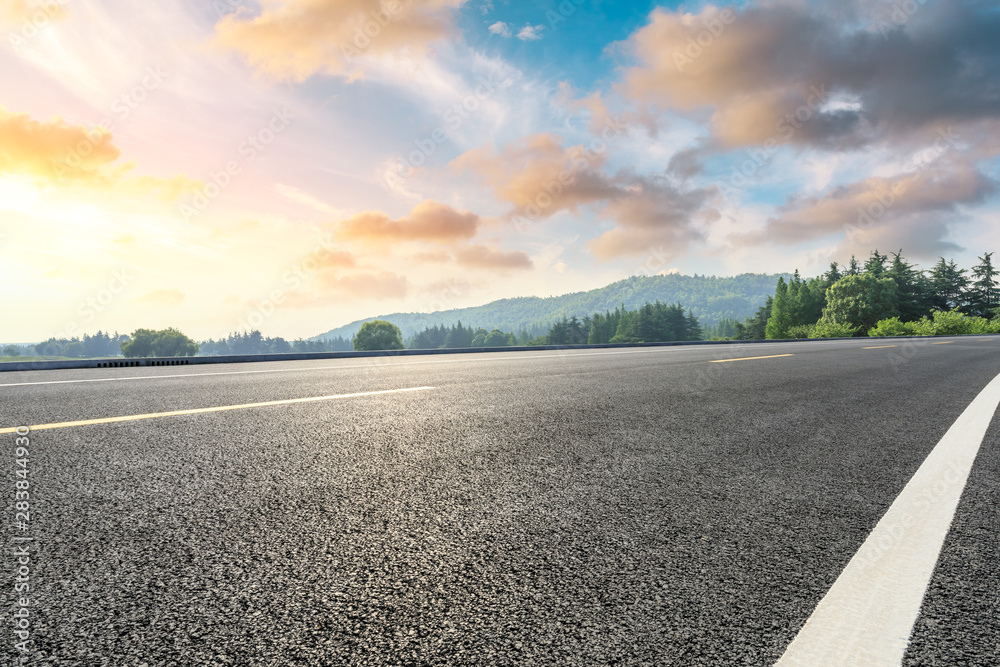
905 211
56 153
758 70
500 28
19 12
485 257
540 177
294 39
653 214
530 33
55 150
331 288
162 298
428 221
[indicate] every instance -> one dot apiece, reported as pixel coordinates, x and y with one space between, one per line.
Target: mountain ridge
710 298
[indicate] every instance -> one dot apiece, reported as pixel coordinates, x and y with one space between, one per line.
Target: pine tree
948 285
983 292
913 288
780 320
875 266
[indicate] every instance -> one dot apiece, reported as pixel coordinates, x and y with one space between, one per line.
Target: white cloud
530 33
500 28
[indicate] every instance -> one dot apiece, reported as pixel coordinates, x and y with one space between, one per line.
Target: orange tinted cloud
38 13
57 153
428 221
485 257
55 150
540 177
294 39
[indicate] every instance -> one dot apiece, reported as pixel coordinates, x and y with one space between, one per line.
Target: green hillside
710 298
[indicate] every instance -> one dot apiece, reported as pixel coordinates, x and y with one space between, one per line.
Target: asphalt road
634 507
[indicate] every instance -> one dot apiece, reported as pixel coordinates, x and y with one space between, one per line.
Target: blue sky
273 167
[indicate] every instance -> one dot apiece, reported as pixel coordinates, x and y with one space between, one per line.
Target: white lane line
868 614
465 358
217 408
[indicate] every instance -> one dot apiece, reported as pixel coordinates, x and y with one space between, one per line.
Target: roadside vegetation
887 296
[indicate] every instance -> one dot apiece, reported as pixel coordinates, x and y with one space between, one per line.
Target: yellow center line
983 340
877 347
772 356
221 408
944 342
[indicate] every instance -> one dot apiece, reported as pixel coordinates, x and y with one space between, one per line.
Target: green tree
139 344
983 290
853 268
860 302
875 266
948 284
496 338
479 340
912 286
378 335
12 351
781 313
755 328
458 336
73 349
172 343
162 343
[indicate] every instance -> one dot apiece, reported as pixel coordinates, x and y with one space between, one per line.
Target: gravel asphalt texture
636 507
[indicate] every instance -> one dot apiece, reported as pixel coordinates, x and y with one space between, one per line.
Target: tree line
652 322
887 295
253 342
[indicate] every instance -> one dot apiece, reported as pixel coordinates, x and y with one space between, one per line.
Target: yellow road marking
198 411
773 356
877 347
944 342
983 340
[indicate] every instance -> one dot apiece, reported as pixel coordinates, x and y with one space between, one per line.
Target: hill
711 298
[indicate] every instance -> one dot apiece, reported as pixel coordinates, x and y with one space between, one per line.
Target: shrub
892 327
801 331
832 330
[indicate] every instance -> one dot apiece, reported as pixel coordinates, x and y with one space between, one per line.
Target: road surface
663 506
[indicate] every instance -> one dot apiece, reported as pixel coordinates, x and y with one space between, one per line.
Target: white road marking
867 616
217 408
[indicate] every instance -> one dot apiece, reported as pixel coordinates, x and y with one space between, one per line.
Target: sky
294 165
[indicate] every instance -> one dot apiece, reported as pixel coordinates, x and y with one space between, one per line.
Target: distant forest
711 299
651 323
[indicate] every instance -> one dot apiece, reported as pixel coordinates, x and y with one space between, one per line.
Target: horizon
306 163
